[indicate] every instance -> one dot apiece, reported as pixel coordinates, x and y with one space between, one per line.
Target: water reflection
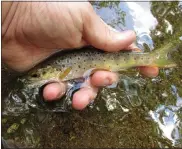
136 112
168 120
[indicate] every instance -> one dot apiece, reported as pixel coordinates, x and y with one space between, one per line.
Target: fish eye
35 75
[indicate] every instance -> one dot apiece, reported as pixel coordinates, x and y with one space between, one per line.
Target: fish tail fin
162 56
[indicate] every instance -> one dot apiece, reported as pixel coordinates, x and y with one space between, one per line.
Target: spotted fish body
73 64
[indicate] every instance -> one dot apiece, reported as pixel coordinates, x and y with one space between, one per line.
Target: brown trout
69 65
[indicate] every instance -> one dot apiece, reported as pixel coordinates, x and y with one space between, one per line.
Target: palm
40 31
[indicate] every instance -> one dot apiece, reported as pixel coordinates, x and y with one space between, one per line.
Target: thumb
100 35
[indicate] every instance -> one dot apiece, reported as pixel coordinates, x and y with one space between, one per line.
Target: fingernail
107 82
95 90
62 92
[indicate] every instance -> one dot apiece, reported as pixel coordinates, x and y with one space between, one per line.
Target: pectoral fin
64 73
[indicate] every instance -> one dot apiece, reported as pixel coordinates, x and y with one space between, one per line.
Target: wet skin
33 30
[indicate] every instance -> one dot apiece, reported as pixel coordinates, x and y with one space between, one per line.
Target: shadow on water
136 112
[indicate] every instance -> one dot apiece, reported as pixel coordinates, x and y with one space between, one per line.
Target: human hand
33 30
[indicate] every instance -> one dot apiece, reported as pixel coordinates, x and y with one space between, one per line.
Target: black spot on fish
79 66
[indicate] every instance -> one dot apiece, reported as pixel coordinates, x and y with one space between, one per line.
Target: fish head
43 76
